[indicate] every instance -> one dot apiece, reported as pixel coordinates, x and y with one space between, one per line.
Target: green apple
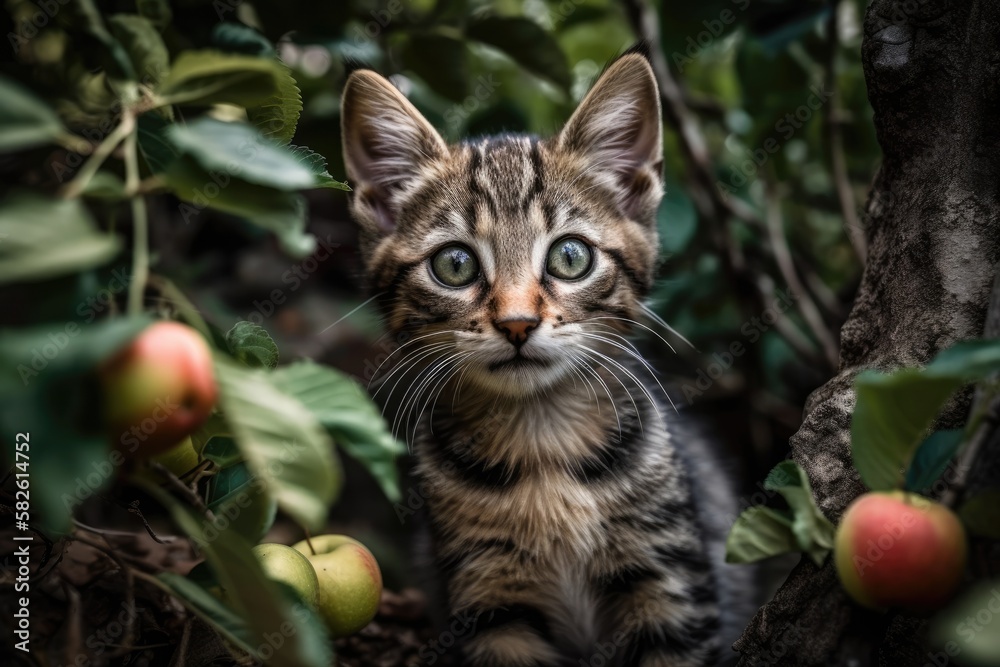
178 460
158 389
899 549
285 564
350 582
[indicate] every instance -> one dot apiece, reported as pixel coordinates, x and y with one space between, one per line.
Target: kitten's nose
517 329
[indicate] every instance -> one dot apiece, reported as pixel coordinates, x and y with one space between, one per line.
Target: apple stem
309 542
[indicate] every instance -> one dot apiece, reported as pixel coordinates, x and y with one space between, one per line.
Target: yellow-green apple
350 582
179 459
898 549
285 564
158 389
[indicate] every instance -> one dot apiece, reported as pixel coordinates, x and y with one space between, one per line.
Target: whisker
638 324
409 342
632 377
415 390
663 323
354 310
638 357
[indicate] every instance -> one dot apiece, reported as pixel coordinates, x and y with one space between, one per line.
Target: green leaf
278 117
979 642
527 43
762 532
43 237
440 61
212 77
347 412
145 48
25 120
282 442
252 345
47 390
981 514
222 451
208 608
105 185
932 458
158 12
241 503
156 149
88 18
894 411
813 532
283 213
759 533
240 151
238 38
257 600
316 163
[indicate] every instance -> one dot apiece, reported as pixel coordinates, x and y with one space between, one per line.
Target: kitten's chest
541 505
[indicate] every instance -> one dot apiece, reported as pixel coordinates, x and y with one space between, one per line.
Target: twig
783 325
133 508
178 658
140 240
985 403
834 134
713 207
97 158
129 637
104 532
181 488
74 623
966 460
104 550
803 299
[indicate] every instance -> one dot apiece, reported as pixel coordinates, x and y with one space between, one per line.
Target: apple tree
913 405
140 400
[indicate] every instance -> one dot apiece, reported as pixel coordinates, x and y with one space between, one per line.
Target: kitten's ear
386 143
618 128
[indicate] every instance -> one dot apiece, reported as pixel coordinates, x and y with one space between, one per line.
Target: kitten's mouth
516 362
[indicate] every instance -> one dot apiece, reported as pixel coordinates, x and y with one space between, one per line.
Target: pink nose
517 329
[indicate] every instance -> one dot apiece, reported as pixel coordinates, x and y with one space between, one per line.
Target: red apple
899 549
159 389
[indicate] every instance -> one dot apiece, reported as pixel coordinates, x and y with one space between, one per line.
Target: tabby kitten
561 509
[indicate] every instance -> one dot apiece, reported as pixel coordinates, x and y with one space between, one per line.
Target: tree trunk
931 68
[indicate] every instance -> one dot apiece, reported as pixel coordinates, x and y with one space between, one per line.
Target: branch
713 206
834 134
806 306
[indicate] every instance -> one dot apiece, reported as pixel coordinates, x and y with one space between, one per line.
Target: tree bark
931 68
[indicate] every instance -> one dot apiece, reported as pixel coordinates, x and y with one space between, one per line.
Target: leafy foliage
25 120
67 242
359 432
762 532
895 410
139 105
252 345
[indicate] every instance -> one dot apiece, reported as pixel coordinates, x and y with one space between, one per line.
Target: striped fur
561 513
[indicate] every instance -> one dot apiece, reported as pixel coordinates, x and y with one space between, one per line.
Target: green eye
455 266
569 259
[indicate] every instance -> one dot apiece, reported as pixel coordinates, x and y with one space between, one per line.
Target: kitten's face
504 258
